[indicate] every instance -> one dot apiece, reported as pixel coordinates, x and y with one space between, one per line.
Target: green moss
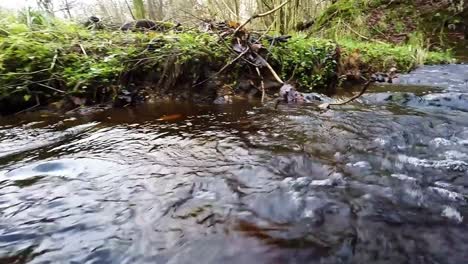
344 9
67 57
314 63
382 57
387 20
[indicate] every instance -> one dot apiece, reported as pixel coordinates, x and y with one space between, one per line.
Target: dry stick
83 50
222 69
267 30
231 50
364 89
50 87
229 9
260 15
293 74
130 10
4 31
362 36
192 15
38 103
77 85
261 83
23 73
54 60
264 62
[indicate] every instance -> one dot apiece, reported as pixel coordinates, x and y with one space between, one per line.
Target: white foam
438 142
452 213
403 177
453 196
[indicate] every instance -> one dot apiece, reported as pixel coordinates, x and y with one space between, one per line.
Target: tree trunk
152 10
160 10
47 6
130 9
67 9
139 9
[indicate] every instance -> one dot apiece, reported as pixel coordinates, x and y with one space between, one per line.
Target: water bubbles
438 142
452 214
360 164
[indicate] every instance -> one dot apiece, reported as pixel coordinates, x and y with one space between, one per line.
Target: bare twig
83 50
24 73
260 15
50 87
38 103
362 36
266 64
293 74
364 89
262 84
267 30
130 10
192 15
4 31
54 60
222 69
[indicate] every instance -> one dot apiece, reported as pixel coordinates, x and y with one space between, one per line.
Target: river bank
63 65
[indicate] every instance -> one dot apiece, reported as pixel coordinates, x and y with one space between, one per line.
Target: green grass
382 56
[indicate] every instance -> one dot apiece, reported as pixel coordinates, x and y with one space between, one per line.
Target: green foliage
61 56
189 47
312 61
344 9
382 57
388 20
49 58
35 57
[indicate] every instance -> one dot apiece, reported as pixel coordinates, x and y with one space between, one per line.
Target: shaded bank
427 23
65 65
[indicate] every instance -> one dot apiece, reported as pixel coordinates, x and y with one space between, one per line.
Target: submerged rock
289 95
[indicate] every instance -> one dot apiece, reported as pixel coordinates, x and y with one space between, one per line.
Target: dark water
383 180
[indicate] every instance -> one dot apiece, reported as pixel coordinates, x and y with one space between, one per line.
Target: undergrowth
50 59
392 21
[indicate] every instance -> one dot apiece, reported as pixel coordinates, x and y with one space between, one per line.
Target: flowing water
382 180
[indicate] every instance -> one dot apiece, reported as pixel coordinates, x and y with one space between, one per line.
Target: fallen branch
265 63
260 15
24 73
54 60
50 87
267 30
38 103
83 50
222 69
262 84
364 89
130 10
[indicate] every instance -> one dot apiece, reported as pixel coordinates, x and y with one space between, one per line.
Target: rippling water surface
383 180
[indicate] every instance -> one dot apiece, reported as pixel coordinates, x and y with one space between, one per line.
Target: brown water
383 180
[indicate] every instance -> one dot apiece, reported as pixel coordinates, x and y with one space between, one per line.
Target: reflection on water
384 180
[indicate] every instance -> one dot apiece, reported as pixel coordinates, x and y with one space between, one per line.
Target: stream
381 180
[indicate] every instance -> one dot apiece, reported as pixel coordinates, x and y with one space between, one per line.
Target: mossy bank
52 61
432 24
